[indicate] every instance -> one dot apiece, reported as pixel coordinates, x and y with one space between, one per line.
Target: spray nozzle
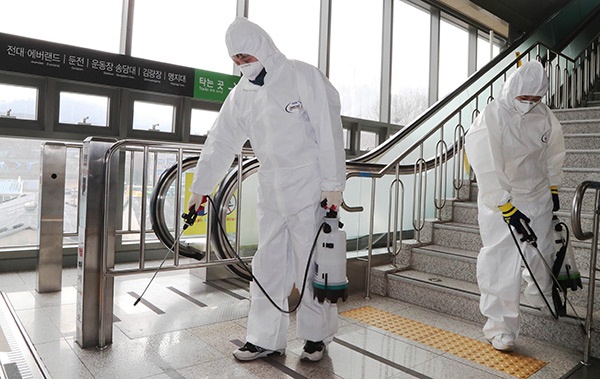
331 212
528 234
189 218
557 224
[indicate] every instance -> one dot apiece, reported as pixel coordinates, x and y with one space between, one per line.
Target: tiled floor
189 327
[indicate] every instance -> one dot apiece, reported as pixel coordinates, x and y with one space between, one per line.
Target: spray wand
531 239
189 219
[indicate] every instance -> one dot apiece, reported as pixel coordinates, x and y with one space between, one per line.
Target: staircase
439 271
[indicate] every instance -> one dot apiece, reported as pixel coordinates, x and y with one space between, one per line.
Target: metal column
92 296
51 211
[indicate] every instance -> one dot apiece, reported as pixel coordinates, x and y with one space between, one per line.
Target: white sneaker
503 342
249 352
313 351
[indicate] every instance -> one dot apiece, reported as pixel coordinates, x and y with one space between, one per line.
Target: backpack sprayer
564 272
330 281
564 269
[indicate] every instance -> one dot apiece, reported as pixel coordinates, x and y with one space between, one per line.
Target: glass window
368 140
454 57
19 191
153 116
92 24
72 177
18 102
346 138
410 67
356 55
202 121
80 109
296 34
184 32
483 51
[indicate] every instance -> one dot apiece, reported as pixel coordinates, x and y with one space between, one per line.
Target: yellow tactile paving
515 364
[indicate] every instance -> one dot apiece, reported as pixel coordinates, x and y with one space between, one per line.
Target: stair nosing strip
450 255
399 276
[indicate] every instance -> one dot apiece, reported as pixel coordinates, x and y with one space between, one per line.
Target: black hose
554 315
253 278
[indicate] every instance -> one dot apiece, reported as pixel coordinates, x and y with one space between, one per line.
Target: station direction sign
43 58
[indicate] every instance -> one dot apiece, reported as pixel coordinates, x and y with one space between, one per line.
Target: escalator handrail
421 120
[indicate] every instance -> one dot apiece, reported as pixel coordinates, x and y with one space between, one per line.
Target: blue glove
519 221
555 201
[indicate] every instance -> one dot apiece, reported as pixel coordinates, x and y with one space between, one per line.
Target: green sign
209 85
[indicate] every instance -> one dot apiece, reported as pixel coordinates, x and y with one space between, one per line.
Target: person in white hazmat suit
516 149
290 112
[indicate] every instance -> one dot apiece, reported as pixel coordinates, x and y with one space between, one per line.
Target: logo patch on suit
545 137
294 106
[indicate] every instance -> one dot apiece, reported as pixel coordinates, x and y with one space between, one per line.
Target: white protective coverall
294 126
516 157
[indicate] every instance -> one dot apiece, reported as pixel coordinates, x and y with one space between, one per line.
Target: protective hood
529 80
245 37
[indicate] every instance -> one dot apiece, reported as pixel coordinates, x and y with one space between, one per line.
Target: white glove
196 202
334 199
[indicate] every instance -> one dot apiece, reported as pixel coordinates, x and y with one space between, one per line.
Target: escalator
220 242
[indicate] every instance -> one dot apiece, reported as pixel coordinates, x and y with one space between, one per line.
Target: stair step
457 235
465 212
593 103
438 281
573 177
582 141
582 158
450 262
581 126
461 299
469 290
459 253
586 113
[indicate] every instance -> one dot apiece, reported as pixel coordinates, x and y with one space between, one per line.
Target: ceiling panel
522 15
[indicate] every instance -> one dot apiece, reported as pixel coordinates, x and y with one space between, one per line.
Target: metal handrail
143 146
394 231
576 226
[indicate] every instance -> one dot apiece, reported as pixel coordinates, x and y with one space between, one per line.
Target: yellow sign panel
199 227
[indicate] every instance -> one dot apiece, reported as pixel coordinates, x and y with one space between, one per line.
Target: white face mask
525 106
251 70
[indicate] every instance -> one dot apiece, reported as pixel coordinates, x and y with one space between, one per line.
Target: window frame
175 101
84 89
18 125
